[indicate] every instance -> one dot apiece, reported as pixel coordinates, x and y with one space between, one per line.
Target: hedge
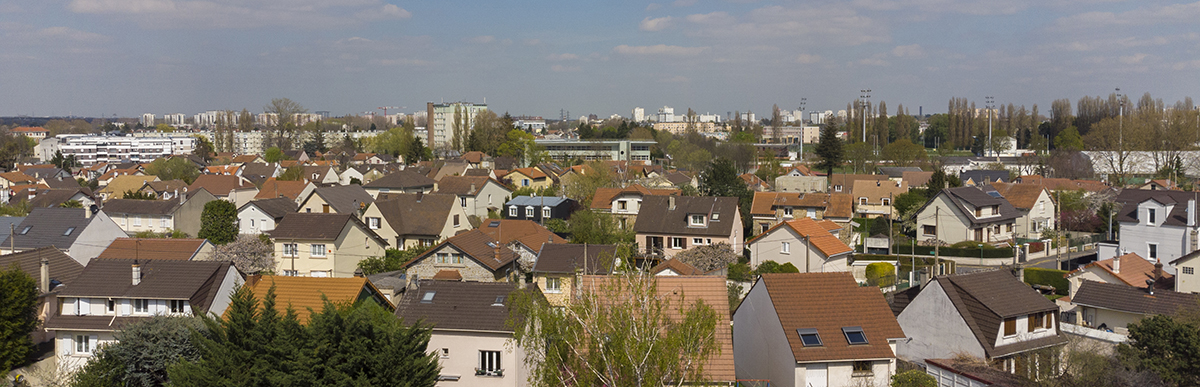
1048 277
905 261
1005 252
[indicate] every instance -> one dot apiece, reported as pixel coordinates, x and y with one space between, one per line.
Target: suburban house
341 199
1112 307
476 194
165 189
625 203
470 336
812 246
1128 269
477 159
160 216
51 268
815 329
771 208
416 219
404 181
260 172
56 197
76 231
230 169
525 237
11 179
982 177
234 189
323 245
262 215
558 268
755 183
120 184
966 214
670 224
1159 226
468 256
916 179
528 178
297 190
363 173
1035 205
1185 272
990 315
307 294
966 373
539 208
873 199
158 248
321 175
111 293
719 368
844 182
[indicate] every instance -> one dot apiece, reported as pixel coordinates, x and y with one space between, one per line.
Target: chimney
137 273
472 188
1191 213
435 187
45 284
1117 265
671 203
1158 272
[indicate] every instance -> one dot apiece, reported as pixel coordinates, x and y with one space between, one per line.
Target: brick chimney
45 284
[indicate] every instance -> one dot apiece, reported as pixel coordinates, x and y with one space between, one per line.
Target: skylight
809 337
69 231
499 301
854 335
494 223
428 298
26 230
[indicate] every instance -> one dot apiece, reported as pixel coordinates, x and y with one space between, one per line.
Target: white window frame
317 250
291 250
553 285
787 212
137 221
141 306
512 211
83 344
529 212
462 201
887 201
373 223
1152 251
785 247
291 273
1151 216
177 306
489 362
682 243
546 212
812 213
695 220
697 241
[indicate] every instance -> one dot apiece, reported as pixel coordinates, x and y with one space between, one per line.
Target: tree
622 332
174 168
1165 346
913 378
18 317
776 124
391 260
285 110
521 146
138 195
582 185
71 204
143 351
829 150
292 173
274 155
861 156
591 227
903 153
881 274
204 149
249 253
63 162
1069 140
721 179
770 266
218 222
708 258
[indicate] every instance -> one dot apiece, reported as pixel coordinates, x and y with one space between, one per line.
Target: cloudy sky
128 57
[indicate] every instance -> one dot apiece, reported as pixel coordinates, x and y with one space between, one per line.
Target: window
545 212
445 353
318 273
622 205
765 227
553 285
428 297
26 230
529 212
854 335
489 363
489 199
1010 226
837 188
1189 270
696 220
1037 321
715 216
862 368
787 211
862 201
456 223
112 306
995 210
809 337
141 306
1153 249
317 250
69 231
978 212
697 241
443 258
677 243
812 213
512 211
1010 326
290 273
887 201
251 223
290 250
928 230
524 182
83 344
462 201
785 247
137 221
177 306
1150 216
373 223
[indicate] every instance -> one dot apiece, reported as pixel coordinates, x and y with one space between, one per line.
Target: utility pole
990 104
1121 134
937 242
866 97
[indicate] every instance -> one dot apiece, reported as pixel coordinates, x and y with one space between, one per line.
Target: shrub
1048 277
881 274
913 378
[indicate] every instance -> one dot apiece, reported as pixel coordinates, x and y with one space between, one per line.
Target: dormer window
787 211
696 220
809 337
1150 217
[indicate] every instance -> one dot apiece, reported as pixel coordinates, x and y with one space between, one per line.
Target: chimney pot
1117 265
137 273
671 203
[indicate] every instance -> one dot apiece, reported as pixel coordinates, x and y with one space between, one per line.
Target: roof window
499 301
69 231
809 337
428 297
494 223
854 335
26 230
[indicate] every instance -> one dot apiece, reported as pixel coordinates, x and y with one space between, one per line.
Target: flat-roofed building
615 150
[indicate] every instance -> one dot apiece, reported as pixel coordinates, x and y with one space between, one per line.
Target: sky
129 57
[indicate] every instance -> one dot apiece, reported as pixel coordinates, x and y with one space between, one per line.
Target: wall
262 221
1090 274
1023 333
1112 319
768 248
94 238
1187 283
470 269
187 216
315 204
1171 240
566 289
935 328
351 246
761 349
464 357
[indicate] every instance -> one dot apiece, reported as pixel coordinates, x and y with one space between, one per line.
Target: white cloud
481 39
1132 59
210 14
653 7
808 58
909 51
562 57
385 12
659 50
838 25
719 17
657 24
564 69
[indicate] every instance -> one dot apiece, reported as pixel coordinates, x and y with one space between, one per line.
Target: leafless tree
708 258
249 253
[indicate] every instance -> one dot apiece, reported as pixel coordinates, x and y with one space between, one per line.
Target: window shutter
1032 326
66 345
93 342
69 308
125 307
85 307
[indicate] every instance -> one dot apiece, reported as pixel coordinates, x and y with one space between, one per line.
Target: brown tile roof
195 281
818 234
17 177
30 129
458 305
1133 300
527 232
876 190
90 323
63 268
1022 196
400 180
754 181
1135 270
167 185
679 267
220 185
144 249
273 188
318 226
462 185
712 290
765 202
566 258
657 217
603 197
303 294
1057 184
476 245
222 169
120 184
847 181
448 275
416 214
984 299
530 172
474 157
829 302
55 197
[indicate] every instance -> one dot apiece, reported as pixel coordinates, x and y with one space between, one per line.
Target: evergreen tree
218 222
18 317
829 149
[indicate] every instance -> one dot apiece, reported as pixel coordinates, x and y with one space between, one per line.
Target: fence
908 249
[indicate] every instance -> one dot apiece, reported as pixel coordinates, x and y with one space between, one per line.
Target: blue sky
128 57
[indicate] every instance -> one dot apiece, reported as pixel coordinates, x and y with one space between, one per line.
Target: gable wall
935 328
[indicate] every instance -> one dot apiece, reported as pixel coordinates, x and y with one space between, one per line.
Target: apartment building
637 151
90 150
441 121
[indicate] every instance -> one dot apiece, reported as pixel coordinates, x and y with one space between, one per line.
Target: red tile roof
138 248
1134 270
818 234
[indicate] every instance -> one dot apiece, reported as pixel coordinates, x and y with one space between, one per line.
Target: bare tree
708 258
249 253
776 124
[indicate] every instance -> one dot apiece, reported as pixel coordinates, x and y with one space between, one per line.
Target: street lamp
866 101
990 104
980 254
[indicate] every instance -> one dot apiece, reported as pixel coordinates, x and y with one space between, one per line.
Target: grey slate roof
317 226
566 258
345 199
276 208
135 206
195 281
552 201
1130 198
8 223
985 299
1125 298
968 198
983 176
897 172
658 218
400 180
458 305
63 268
47 226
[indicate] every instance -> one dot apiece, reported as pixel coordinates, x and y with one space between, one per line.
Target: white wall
760 346
262 221
464 358
935 328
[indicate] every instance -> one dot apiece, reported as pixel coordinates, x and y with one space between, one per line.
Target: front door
816 375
